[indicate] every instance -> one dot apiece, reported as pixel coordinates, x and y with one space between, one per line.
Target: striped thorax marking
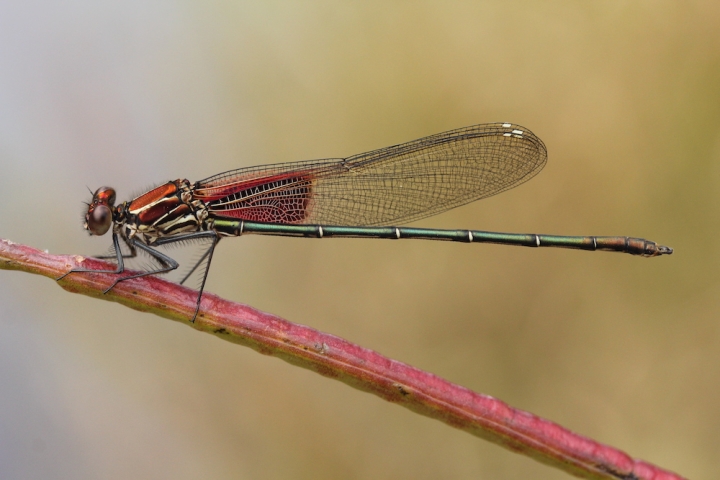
163 211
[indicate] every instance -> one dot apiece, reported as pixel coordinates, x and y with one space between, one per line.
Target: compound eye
105 195
99 220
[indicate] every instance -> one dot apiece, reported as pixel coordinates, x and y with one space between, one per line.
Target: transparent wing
391 185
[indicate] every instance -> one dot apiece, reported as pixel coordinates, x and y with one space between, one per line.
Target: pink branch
364 369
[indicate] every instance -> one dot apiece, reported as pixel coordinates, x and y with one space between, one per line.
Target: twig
333 357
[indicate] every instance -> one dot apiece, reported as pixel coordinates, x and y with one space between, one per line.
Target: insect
358 196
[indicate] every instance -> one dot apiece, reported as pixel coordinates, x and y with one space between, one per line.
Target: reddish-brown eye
105 195
99 219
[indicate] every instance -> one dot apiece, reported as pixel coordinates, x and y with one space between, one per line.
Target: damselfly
358 196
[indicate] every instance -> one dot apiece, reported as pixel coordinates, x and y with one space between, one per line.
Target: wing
392 185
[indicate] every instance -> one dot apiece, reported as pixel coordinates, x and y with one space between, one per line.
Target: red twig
364 369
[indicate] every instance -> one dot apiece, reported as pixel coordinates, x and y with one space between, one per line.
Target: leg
197 264
208 254
167 264
132 254
118 255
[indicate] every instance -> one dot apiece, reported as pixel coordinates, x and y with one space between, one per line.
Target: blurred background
625 350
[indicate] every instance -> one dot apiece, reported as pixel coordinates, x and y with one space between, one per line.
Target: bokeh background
626 96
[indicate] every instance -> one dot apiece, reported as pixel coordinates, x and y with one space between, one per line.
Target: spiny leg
208 254
132 254
197 264
167 263
211 250
118 256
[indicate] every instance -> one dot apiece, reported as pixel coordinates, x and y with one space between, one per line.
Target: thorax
164 211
